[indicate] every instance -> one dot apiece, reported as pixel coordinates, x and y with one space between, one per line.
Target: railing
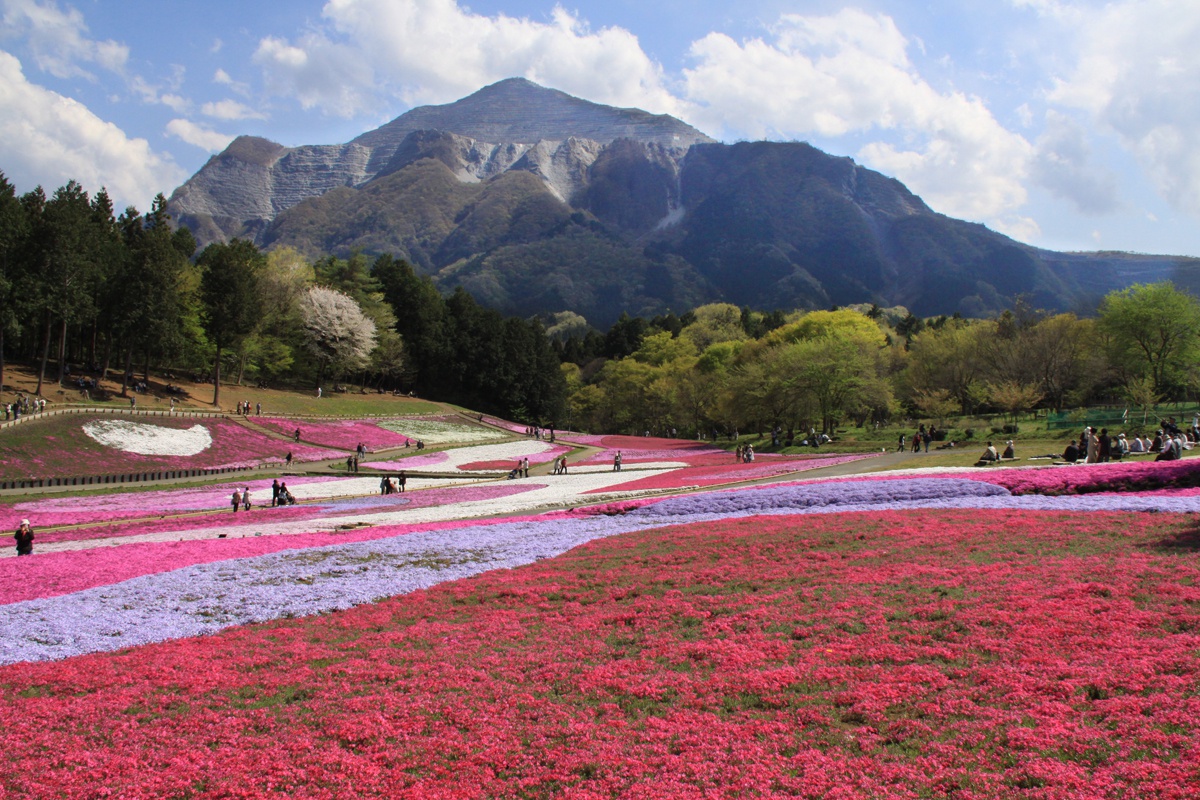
1120 416
131 477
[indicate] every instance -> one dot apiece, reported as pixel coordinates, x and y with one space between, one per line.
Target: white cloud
1023 229
435 51
58 39
850 73
1135 74
48 139
153 95
230 110
322 75
199 135
1063 166
223 78
175 103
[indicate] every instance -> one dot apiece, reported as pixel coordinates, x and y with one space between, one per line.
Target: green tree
1013 397
229 297
1154 330
69 236
14 229
947 358
153 296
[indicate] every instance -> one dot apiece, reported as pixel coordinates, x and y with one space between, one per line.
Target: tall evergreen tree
14 229
68 238
229 297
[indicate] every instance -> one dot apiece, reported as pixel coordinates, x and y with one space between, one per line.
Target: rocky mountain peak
521 112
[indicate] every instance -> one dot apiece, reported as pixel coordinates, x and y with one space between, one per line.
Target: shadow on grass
1187 541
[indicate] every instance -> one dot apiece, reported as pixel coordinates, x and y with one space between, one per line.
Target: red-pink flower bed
730 473
342 434
506 464
1138 476
58 447
974 654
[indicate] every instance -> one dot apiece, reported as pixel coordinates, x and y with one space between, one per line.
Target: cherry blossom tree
339 334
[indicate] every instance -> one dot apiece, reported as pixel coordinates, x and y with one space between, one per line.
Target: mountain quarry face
536 202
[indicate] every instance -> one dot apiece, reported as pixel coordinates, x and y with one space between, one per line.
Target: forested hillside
82 286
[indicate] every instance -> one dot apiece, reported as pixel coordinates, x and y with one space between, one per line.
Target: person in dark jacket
24 537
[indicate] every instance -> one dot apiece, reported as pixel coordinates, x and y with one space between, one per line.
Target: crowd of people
388 485
1098 447
24 405
537 432
920 439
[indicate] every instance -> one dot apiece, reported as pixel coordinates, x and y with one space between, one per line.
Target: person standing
275 492
24 537
1093 445
402 480
236 499
1104 449
617 462
246 498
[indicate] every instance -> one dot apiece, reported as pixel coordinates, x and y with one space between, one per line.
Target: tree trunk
92 345
62 353
1 364
125 372
241 367
45 357
107 356
146 367
217 380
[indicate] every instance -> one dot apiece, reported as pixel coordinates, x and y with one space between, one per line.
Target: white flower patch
358 487
149 440
552 491
438 432
507 451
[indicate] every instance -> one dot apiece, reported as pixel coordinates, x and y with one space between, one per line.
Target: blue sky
1068 124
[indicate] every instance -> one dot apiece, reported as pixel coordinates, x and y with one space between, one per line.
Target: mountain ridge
537 202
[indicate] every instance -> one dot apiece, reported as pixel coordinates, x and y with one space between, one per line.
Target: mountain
536 201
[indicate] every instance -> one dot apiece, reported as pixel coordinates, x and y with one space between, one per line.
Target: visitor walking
236 499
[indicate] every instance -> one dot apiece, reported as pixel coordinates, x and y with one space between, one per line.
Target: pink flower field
58 447
342 434
991 633
733 473
842 656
